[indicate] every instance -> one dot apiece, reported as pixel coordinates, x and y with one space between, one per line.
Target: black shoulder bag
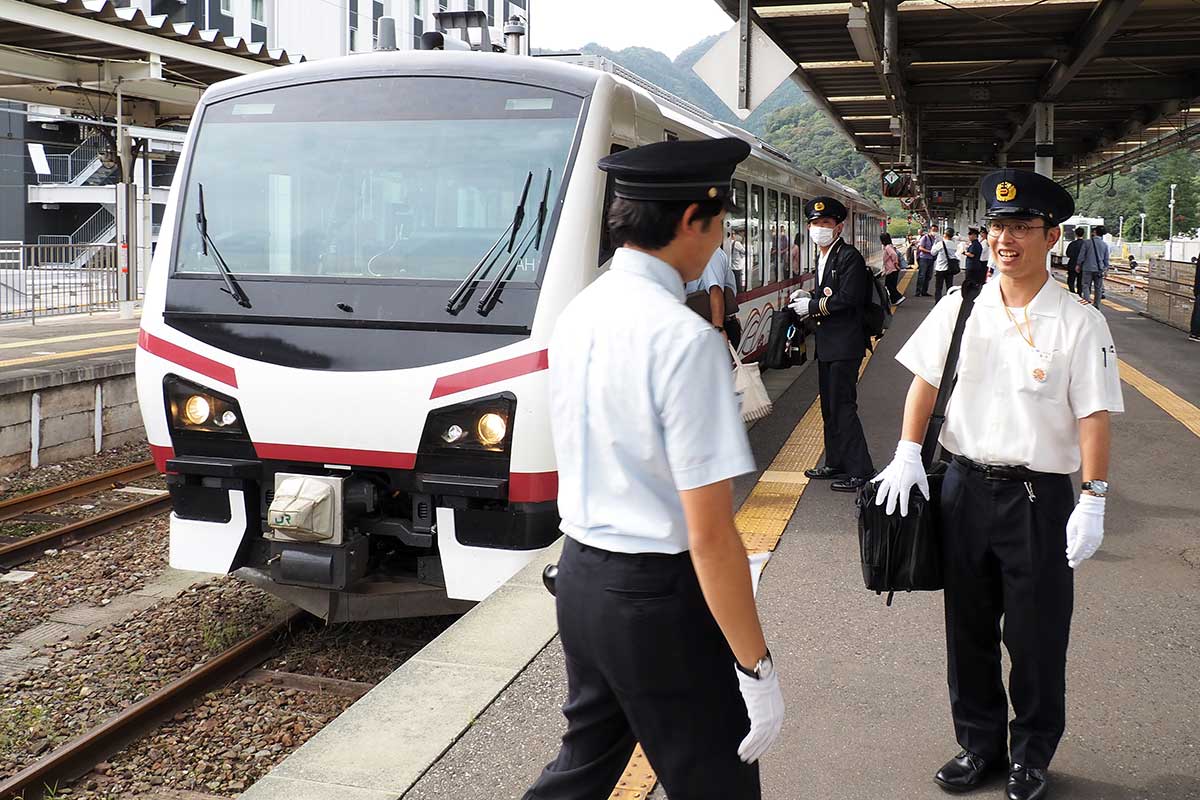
904 554
952 264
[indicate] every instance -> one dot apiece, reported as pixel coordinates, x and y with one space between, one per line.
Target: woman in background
891 268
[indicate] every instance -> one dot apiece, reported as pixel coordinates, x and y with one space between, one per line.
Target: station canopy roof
964 76
72 54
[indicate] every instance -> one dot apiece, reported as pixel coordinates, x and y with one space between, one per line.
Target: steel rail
78 756
35 501
31 547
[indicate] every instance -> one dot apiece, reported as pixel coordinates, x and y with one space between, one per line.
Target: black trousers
924 271
1196 316
845 444
891 281
942 283
646 663
1073 280
1005 557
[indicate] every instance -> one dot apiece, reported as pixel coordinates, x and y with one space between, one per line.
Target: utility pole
1171 222
1142 214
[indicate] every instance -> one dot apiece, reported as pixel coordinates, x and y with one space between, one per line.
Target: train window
802 232
319 180
670 136
775 247
757 226
737 233
607 248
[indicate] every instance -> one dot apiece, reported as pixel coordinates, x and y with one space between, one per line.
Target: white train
342 361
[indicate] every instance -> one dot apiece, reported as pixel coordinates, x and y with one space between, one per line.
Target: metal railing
43 280
66 168
99 228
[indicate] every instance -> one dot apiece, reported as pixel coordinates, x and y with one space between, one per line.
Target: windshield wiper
232 287
534 236
479 272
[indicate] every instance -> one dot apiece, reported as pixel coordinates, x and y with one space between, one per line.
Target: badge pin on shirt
828 292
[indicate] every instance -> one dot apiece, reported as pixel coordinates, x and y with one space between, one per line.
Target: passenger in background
1093 265
656 611
719 285
797 252
737 257
941 264
925 259
973 262
891 269
1074 278
843 282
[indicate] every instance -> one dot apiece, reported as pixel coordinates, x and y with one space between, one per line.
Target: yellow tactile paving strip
761 522
70 338
17 362
1161 396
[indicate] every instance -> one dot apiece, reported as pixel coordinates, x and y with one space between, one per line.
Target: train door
773 244
738 242
756 250
607 248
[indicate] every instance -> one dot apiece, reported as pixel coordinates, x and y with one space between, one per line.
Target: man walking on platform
843 282
1074 278
655 608
1037 379
925 259
1195 332
1093 266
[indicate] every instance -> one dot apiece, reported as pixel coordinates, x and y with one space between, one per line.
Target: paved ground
865 685
75 346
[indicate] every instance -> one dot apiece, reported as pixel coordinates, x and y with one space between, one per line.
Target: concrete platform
66 388
868 715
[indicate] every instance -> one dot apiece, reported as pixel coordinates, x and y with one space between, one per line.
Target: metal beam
1108 17
24 13
744 54
1125 91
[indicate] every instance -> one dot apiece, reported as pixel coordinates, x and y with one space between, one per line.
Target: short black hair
1099 230
1080 233
885 238
651 224
949 232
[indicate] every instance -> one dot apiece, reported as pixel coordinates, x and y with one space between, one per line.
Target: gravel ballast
50 475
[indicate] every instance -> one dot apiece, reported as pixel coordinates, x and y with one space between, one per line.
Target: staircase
83 166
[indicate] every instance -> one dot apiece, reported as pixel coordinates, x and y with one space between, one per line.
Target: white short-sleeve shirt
642 406
1014 404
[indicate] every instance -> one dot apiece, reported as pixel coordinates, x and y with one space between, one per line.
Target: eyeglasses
1019 230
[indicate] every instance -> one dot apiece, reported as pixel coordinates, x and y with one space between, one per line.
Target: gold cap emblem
1006 192
712 192
818 206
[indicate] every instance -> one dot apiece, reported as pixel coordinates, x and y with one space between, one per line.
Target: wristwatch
1098 488
762 669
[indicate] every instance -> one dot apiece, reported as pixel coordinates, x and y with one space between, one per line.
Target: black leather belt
1001 473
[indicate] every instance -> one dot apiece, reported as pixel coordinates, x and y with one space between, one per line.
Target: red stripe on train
186 358
532 487
161 454
336 455
492 373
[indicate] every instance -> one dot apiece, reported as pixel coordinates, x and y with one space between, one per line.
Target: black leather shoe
823 473
964 772
848 484
1026 783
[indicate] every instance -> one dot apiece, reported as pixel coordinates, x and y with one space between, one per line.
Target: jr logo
282 519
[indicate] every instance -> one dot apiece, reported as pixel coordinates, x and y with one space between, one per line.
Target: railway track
31 547
46 498
75 758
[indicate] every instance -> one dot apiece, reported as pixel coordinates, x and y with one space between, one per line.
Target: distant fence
1169 292
38 280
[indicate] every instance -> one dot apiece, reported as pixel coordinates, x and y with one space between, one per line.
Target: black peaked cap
678 171
825 207
1021 193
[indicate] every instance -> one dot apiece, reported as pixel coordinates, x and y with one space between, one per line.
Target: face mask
822 237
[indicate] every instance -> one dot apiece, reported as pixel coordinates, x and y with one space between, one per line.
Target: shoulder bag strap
949 375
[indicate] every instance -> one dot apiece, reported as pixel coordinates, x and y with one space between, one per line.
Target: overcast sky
665 25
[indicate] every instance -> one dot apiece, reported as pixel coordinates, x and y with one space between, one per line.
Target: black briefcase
904 554
785 341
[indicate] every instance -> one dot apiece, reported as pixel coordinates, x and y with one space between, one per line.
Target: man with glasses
1037 379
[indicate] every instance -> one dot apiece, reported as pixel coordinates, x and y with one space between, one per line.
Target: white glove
1085 529
800 307
899 477
764 705
799 294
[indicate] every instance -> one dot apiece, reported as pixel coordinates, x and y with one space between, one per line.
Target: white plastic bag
756 403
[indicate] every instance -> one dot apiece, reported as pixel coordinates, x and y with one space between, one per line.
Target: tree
1182 169
810 140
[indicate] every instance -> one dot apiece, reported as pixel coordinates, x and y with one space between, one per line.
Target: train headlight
195 408
491 429
481 426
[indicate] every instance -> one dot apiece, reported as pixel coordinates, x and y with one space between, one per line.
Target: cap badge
712 192
818 206
1006 191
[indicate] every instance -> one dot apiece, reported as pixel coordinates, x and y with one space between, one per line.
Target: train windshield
409 179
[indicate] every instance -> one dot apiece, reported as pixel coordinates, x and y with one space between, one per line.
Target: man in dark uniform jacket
843 283
1074 278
